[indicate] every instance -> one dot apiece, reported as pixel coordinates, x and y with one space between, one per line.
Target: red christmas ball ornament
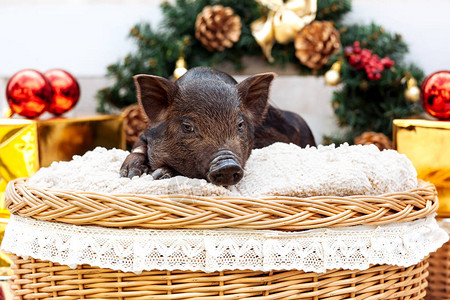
435 95
66 91
28 93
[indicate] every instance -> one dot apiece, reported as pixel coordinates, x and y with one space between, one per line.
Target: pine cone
217 27
135 121
316 43
378 139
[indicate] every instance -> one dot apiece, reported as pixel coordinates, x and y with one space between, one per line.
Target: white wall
84 36
424 25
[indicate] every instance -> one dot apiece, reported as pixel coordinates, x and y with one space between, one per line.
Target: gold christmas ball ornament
217 27
315 44
180 68
332 76
412 92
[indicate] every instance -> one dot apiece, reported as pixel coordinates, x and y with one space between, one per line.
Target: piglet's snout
225 169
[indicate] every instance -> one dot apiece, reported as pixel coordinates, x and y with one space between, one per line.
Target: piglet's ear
154 94
254 94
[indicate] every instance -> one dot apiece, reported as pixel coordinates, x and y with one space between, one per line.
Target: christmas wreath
375 85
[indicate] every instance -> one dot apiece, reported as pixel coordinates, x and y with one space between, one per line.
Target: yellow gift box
427 144
60 139
18 153
27 145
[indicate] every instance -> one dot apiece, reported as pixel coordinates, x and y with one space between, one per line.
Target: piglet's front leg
164 173
136 163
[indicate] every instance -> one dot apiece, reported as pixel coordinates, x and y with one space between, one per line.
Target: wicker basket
439 279
37 279
178 211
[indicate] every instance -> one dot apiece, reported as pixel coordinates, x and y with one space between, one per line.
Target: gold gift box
60 139
18 153
27 145
427 144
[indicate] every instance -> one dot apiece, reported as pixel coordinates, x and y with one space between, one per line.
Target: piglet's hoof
135 164
163 173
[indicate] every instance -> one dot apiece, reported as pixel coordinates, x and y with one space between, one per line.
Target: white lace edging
136 250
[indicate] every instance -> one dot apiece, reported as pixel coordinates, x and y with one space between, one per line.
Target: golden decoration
283 22
18 153
332 76
412 92
60 138
27 145
180 68
315 44
426 144
378 139
217 27
5 261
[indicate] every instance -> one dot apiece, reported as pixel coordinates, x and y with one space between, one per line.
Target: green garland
158 50
360 105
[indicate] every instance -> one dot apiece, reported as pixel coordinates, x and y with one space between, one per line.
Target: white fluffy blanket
280 169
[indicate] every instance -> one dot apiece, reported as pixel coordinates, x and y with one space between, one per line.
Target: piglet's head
205 122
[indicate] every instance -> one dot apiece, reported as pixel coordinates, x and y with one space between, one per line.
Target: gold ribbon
283 22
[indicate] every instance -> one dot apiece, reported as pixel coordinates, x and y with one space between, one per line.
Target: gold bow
283 22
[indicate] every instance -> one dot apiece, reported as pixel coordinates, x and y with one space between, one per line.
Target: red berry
348 50
364 59
354 60
387 63
366 52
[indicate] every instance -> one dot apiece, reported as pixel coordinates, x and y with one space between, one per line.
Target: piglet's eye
241 125
187 128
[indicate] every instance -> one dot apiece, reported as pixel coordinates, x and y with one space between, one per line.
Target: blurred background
84 37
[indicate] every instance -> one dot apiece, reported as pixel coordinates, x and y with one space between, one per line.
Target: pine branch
365 105
359 106
158 50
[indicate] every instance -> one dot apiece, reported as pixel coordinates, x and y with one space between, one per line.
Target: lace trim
135 250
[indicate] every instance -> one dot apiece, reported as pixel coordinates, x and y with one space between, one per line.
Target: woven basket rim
200 212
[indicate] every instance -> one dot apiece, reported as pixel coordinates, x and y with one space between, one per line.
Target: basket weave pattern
439 279
169 212
40 279
36 279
